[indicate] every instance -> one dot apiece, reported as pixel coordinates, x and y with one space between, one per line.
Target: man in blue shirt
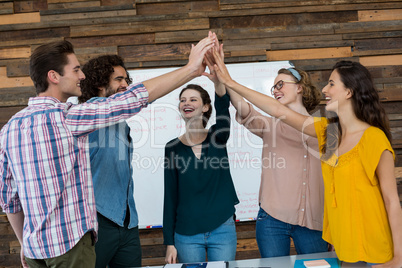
110 155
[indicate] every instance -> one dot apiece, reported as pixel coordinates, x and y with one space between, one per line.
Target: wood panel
283 19
15 53
301 7
369 26
29 42
113 40
64 1
381 60
17 68
177 7
6 8
380 46
24 6
34 34
378 15
139 27
121 2
184 36
20 18
5 114
312 53
74 5
279 31
153 52
15 82
88 15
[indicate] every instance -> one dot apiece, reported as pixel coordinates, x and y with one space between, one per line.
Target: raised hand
220 67
197 53
210 61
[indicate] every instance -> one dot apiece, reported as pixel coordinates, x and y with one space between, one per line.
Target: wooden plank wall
313 34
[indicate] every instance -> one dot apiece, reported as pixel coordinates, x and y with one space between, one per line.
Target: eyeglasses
279 85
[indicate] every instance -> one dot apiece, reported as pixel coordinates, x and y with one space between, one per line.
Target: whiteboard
161 122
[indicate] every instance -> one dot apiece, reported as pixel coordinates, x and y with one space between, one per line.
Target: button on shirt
45 168
291 188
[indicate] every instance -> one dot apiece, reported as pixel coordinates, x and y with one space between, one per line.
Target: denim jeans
220 244
273 237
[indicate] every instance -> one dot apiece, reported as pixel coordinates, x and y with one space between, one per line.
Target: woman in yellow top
362 214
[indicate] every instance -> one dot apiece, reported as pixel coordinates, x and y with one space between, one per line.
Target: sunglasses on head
279 85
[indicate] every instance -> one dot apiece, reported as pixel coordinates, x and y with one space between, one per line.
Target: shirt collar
50 101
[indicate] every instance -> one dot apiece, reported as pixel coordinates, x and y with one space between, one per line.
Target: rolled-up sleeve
84 118
9 200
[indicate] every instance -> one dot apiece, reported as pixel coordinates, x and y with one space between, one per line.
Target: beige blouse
291 188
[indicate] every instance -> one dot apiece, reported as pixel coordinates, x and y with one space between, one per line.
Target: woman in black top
199 192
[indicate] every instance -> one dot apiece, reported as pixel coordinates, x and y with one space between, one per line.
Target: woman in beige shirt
291 190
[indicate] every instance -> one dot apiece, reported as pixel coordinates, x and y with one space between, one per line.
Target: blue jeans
273 237
220 244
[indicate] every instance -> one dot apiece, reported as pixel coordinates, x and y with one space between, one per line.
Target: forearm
274 108
395 221
220 89
84 118
241 106
164 84
396 227
17 223
389 191
265 103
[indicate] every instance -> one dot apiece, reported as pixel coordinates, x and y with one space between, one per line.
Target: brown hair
310 94
47 57
97 74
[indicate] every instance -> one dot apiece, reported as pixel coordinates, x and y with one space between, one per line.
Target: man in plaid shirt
45 177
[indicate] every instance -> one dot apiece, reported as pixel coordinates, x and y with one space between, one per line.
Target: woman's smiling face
336 94
287 94
191 104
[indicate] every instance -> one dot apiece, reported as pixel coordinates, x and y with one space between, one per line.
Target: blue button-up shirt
110 155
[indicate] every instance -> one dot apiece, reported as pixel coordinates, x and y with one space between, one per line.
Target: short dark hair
205 100
50 56
97 74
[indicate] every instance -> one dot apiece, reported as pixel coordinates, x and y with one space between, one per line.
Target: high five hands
214 59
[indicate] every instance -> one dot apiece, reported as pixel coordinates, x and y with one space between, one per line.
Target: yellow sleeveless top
355 217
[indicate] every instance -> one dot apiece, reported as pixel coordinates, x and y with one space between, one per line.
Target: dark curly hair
311 96
205 100
50 56
97 74
365 102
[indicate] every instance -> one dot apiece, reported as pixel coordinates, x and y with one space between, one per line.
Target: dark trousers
117 246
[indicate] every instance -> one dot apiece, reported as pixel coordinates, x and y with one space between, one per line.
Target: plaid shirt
45 169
